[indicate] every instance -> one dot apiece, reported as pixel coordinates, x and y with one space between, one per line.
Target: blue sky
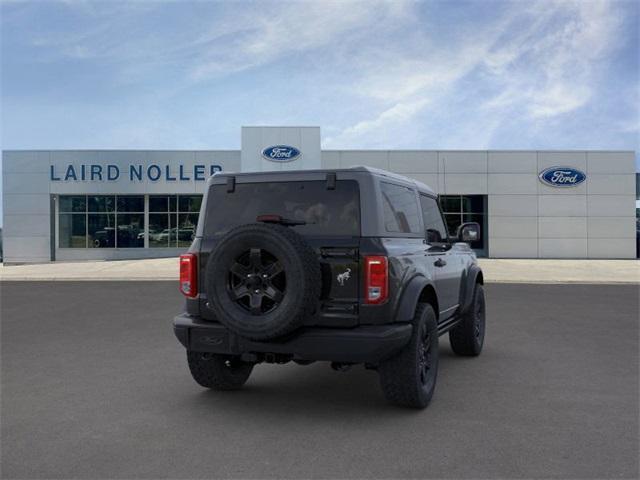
372 74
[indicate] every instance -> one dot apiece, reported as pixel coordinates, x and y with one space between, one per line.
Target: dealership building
122 204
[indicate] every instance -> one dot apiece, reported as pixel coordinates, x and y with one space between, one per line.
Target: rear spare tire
262 281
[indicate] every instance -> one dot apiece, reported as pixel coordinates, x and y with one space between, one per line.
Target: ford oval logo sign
281 153
562 177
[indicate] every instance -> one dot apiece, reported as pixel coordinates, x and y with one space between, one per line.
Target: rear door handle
440 263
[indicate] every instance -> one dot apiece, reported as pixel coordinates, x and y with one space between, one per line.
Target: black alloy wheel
257 281
262 281
409 377
479 320
424 358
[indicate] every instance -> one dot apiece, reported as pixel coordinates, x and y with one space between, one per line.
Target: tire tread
398 375
462 336
308 293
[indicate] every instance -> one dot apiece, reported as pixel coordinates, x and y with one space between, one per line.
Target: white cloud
558 98
397 114
232 37
253 38
571 70
379 71
630 126
539 59
406 87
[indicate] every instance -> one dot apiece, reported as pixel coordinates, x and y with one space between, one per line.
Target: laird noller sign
133 173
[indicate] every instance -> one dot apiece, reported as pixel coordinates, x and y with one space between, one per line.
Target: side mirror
468 232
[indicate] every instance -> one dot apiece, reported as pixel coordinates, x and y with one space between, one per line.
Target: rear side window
325 212
436 232
400 207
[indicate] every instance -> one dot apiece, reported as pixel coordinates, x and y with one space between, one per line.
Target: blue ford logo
562 177
281 153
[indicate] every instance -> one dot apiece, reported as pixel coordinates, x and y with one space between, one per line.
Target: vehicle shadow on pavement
315 389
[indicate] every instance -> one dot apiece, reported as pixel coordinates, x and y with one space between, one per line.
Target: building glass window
101 230
130 230
160 227
158 203
73 230
188 211
118 221
173 220
189 203
130 221
101 203
73 203
131 203
101 223
458 209
158 230
451 203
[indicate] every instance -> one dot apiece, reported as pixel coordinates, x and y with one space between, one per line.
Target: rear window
326 212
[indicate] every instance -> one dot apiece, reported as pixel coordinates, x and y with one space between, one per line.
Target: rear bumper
363 344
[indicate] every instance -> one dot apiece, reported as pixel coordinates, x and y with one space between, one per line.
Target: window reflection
131 203
118 221
102 203
459 209
101 230
186 228
130 230
73 203
189 203
130 226
158 203
159 230
73 230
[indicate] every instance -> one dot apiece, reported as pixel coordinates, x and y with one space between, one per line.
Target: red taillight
376 279
188 275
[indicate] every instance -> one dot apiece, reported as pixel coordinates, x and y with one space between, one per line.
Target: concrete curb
86 279
587 272
129 279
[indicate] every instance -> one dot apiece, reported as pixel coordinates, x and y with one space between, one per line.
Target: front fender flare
468 286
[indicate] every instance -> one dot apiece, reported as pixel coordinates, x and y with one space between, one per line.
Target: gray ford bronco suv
347 266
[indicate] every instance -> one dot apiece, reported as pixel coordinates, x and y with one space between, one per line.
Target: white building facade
121 204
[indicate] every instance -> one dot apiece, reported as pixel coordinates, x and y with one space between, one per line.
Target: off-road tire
467 338
219 372
401 377
301 269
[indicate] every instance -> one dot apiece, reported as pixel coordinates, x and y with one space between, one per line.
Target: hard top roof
359 168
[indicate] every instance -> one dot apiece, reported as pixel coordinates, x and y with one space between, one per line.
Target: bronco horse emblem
343 277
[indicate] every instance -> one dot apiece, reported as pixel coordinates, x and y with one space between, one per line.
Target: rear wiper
287 222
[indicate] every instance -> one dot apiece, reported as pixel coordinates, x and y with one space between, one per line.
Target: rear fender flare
410 296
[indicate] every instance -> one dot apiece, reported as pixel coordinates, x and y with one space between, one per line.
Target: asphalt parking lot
94 385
